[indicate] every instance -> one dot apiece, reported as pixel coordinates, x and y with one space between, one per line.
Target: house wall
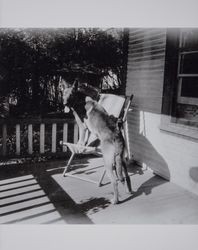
172 156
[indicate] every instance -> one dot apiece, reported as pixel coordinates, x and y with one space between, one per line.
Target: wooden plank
147 59
65 136
75 133
12 121
42 138
189 52
138 33
54 130
157 64
18 146
187 75
4 134
147 53
147 46
126 136
30 148
148 39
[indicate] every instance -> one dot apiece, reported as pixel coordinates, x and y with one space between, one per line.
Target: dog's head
74 96
69 93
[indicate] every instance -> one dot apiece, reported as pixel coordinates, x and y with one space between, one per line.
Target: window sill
168 125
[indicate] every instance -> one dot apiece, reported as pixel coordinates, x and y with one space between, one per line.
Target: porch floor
39 194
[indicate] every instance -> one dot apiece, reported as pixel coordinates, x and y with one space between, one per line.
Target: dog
107 131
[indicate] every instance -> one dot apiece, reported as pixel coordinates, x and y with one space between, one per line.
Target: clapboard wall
172 156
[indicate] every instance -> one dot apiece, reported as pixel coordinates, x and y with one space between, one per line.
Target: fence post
4 133
75 133
65 130
30 148
18 142
54 126
42 138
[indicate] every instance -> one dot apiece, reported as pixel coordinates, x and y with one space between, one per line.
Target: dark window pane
189 64
189 87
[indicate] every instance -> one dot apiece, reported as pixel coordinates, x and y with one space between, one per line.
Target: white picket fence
4 125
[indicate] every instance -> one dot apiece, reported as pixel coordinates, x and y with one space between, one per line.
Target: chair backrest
113 104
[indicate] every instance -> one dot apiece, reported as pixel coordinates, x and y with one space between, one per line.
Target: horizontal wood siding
146 57
170 155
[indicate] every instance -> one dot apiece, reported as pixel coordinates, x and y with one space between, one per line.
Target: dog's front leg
82 129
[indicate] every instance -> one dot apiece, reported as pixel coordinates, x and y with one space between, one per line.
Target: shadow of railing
63 203
32 216
17 199
54 198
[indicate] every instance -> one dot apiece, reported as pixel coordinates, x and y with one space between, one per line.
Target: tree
37 58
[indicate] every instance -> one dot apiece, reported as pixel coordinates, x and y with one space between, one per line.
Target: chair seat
80 149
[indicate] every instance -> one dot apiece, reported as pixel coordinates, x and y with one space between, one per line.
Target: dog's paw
129 192
114 201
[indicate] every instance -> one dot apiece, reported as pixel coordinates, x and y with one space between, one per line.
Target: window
187 94
180 97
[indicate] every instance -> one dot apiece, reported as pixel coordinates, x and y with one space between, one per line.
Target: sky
98 13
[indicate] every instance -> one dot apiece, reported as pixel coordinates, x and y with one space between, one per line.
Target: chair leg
101 179
66 169
69 163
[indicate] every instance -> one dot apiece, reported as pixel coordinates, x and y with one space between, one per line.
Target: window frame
181 76
171 89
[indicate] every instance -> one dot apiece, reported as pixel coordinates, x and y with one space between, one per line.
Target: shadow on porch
39 194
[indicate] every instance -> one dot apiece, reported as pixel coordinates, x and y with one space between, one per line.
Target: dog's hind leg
108 156
114 183
120 167
118 162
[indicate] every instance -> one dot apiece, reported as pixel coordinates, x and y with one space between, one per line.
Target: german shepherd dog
106 129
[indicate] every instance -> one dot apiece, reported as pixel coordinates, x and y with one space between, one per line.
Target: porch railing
30 123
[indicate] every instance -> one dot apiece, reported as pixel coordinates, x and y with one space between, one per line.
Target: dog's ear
88 99
62 84
75 85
